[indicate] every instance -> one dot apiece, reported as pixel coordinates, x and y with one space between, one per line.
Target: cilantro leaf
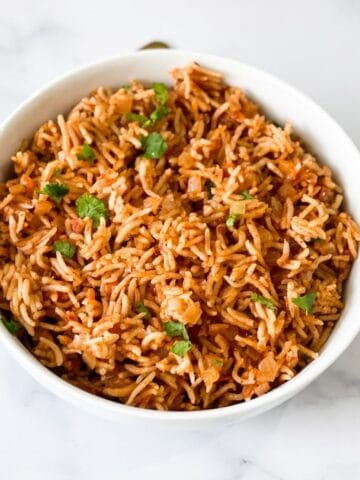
136 117
246 195
154 145
66 248
87 153
56 191
141 308
231 220
161 92
216 362
267 302
209 185
159 113
176 329
181 347
306 302
58 172
92 207
11 325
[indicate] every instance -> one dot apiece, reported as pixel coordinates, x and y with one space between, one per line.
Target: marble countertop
315 436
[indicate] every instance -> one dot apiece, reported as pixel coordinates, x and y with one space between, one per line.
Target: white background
313 45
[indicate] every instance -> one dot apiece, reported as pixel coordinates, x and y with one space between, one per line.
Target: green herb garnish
246 195
231 220
181 347
56 191
306 302
154 145
66 248
141 308
176 329
267 302
209 185
216 362
161 92
91 207
58 172
11 325
126 87
159 114
318 240
136 117
87 153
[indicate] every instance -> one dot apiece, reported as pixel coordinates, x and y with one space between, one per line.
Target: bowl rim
74 394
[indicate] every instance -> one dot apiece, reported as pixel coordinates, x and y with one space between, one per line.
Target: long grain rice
166 244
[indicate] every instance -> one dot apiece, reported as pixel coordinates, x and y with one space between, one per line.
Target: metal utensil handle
155 44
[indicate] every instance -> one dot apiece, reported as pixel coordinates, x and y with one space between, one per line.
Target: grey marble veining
316 435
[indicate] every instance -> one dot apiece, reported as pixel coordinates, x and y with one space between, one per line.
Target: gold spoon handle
154 44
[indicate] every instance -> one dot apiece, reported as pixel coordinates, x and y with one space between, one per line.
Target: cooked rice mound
221 235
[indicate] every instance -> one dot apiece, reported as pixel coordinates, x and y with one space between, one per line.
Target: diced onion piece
194 184
123 103
268 368
192 314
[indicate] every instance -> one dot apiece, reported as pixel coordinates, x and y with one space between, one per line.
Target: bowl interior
281 103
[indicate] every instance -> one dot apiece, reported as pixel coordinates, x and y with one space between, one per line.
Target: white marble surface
312 45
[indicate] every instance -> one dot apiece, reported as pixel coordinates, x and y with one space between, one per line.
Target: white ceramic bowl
281 102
